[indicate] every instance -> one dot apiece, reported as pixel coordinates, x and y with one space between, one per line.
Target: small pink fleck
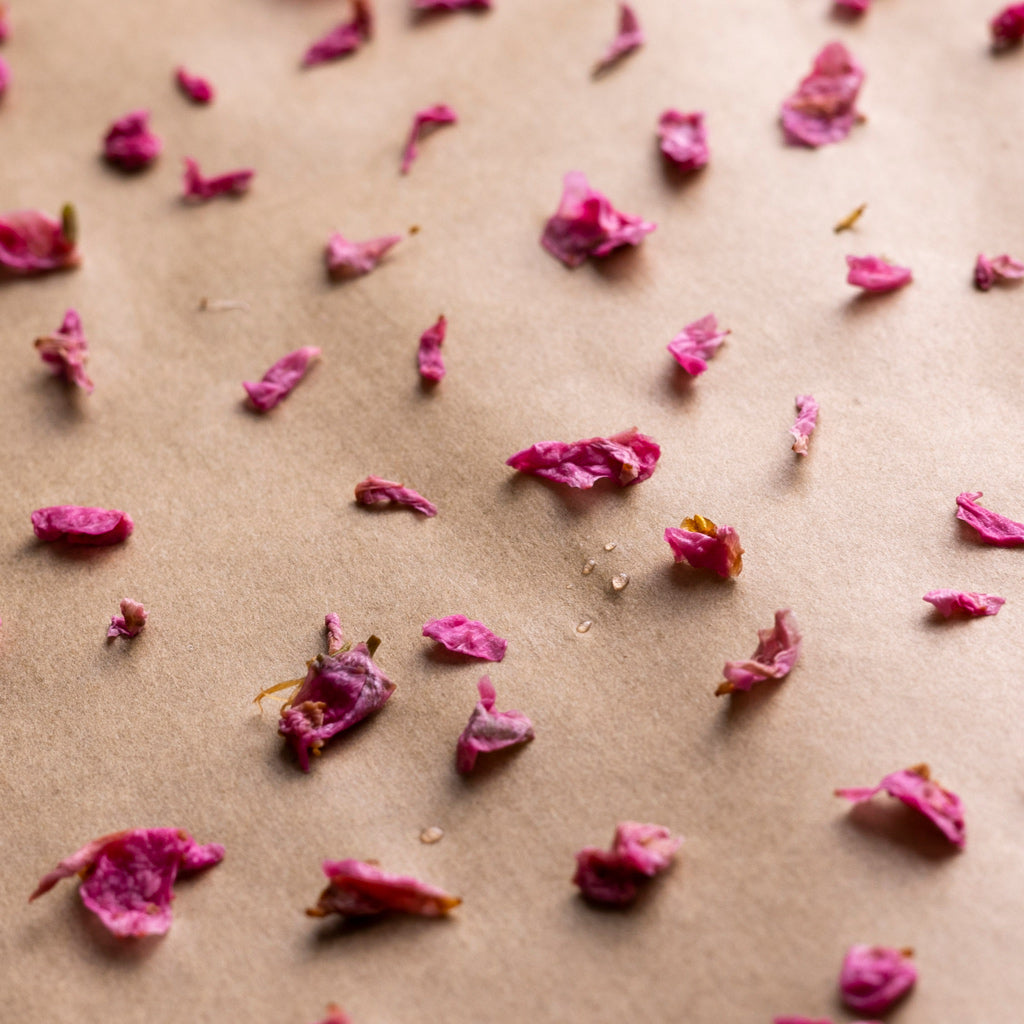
335 1015
130 622
874 274
696 343
638 852
451 5
129 144
5 76
335 636
195 87
992 528
489 730
626 458
777 651
823 108
33 243
806 421
347 259
343 39
78 524
438 114
853 7
874 977
429 356
466 636
959 602
281 379
702 544
1008 26
683 139
231 183
66 351
358 889
628 38
988 272
375 489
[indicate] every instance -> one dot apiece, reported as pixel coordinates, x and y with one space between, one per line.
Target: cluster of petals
439 113
872 978
628 38
959 602
1008 25
988 272
696 343
376 489
992 528
66 351
281 379
806 420
489 730
428 356
129 144
776 654
874 274
347 259
466 636
195 87
231 183
358 889
683 139
638 852
343 39
823 108
702 544
32 242
80 524
626 458
130 622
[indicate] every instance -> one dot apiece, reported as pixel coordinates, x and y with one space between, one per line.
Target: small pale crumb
620 582
431 835
584 626
610 546
850 219
589 566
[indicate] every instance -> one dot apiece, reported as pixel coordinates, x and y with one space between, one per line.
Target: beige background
247 534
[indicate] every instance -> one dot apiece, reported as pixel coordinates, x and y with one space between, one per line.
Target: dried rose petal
130 622
358 889
466 636
638 852
489 730
77 524
876 275
343 39
915 788
429 356
626 458
128 876
992 527
1008 26
5 75
66 351
874 977
338 691
703 545
129 144
823 108
628 38
683 139
586 224
195 87
776 654
696 343
281 379
451 5
988 272
351 259
335 1015
375 488
232 183
32 242
335 636
440 113
806 421
954 602
852 6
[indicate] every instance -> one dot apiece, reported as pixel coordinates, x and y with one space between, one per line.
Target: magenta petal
440 113
281 379
638 851
954 602
352 259
343 39
683 139
696 343
5 74
777 651
1008 25
853 6
876 275
628 37
335 1015
992 527
806 421
77 524
451 5
335 636
66 351
195 87
823 108
374 489
874 977
129 144
626 458
719 553
489 730
358 889
466 636
130 622
988 272
33 243
231 183
429 356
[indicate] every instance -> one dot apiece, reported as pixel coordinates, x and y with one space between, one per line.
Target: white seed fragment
589 566
610 546
584 626
431 835
620 582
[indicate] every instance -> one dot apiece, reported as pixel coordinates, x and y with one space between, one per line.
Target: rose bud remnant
1008 26
638 852
466 636
77 524
358 889
129 144
700 543
66 351
776 654
874 977
489 730
626 458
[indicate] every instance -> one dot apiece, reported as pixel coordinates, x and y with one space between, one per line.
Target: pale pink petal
429 356
683 139
586 224
958 602
806 421
628 38
352 259
374 489
874 977
876 275
696 343
451 5
626 458
776 654
638 851
440 113
77 524
281 379
466 636
33 243
358 889
489 730
129 144
700 543
823 108
992 527
195 87
66 351
335 636
343 39
130 622
231 183
988 272
1008 26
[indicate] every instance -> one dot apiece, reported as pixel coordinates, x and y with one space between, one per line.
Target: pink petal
32 242
992 527
358 889
586 224
806 421
626 458
876 275
66 351
343 39
823 108
853 6
696 343
130 622
776 654
451 5
953 602
335 636
988 272
489 730
5 76
375 488
1008 25
629 37
5 25
195 87
351 259
281 379
700 543
129 144
429 357
874 977
638 852
76 524
232 183
335 1015
440 113
683 139
466 636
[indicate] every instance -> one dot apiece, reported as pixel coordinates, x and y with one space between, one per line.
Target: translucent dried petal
338 691
335 636
958 602
466 636
130 622
823 108
776 654
33 243
1008 25
806 421
128 877
626 458
343 39
440 113
352 259
195 87
700 543
992 527
232 183
696 343
586 224
874 274
451 5
874 977
915 788
358 889
66 351
129 144
638 851
489 730
281 379
429 355
375 488
77 524
988 272
683 139
628 38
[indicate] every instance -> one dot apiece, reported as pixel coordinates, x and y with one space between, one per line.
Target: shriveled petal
959 602
466 636
700 543
438 114
876 275
129 144
32 242
646 849
638 851
375 489
343 39
231 183
130 622
67 350
489 730
628 38
683 139
874 977
806 421
777 651
358 889
992 527
281 379
335 636
696 343
77 524
195 87
988 272
428 357
626 458
352 259
823 108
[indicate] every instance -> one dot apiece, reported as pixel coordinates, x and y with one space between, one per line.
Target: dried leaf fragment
375 489
991 526
344 38
32 242
66 351
777 651
702 544
195 87
696 343
874 274
200 188
438 114
428 357
78 524
626 458
281 379
823 108
489 730
130 622
806 420
873 978
638 852
347 259
358 889
959 602
988 272
129 144
466 636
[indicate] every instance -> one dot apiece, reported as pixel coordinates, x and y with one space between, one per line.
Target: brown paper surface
247 534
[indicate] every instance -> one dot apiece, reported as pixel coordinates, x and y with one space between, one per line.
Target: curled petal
343 39
358 889
375 489
992 527
777 651
876 275
823 108
429 355
489 730
281 379
451 5
352 259
78 524
696 343
626 458
700 543
440 113
959 602
335 636
129 144
806 421
195 87
628 38
874 977
232 183
988 272
638 852
33 243
66 351
466 636
130 622
683 139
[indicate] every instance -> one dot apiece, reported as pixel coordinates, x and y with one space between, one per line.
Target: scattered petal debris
992 528
1008 26
280 380
128 877
847 223
130 622
33 243
823 108
231 183
466 636
638 851
335 1015
806 421
626 458
628 38
335 636
195 87
77 524
359 889
874 977
696 343
586 224
874 274
66 351
988 272
451 5
129 144
438 114
343 39
375 488
959 602
489 730
776 654
429 355
915 788
683 139
700 543
347 259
